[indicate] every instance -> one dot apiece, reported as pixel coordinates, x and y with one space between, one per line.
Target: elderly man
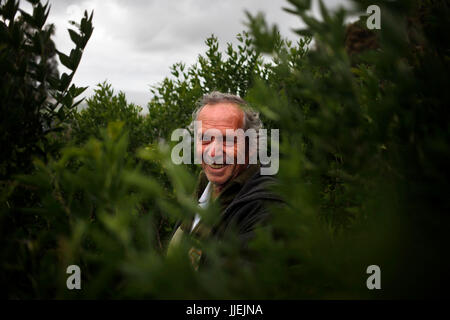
237 186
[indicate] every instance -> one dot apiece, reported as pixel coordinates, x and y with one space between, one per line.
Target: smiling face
220 117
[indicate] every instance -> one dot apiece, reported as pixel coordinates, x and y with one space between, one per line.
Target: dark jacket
249 208
244 206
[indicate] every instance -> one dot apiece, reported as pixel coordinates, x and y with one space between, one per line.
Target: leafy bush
35 103
364 149
35 99
95 215
104 107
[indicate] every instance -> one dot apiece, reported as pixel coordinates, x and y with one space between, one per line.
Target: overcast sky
136 41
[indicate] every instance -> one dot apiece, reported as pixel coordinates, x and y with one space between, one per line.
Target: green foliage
104 107
99 215
35 99
364 149
35 104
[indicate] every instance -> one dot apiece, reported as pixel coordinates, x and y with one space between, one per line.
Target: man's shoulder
258 188
252 204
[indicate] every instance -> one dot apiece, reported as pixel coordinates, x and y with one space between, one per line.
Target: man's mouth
217 166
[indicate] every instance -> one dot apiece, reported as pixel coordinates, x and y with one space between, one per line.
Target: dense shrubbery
364 146
35 99
105 107
35 104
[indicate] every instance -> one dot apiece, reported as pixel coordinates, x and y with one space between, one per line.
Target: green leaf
65 60
76 38
64 81
9 9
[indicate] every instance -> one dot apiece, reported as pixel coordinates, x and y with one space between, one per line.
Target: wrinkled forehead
221 116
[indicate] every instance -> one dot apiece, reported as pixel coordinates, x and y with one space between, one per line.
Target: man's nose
212 150
213 153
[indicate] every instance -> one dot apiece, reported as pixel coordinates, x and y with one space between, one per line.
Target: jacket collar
227 194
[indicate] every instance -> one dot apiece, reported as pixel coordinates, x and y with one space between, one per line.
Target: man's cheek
240 154
229 155
199 152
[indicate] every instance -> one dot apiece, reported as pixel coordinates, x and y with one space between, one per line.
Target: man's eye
206 140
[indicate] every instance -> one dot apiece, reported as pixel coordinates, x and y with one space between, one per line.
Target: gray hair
251 117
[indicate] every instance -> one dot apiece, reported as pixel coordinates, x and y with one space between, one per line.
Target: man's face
220 116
